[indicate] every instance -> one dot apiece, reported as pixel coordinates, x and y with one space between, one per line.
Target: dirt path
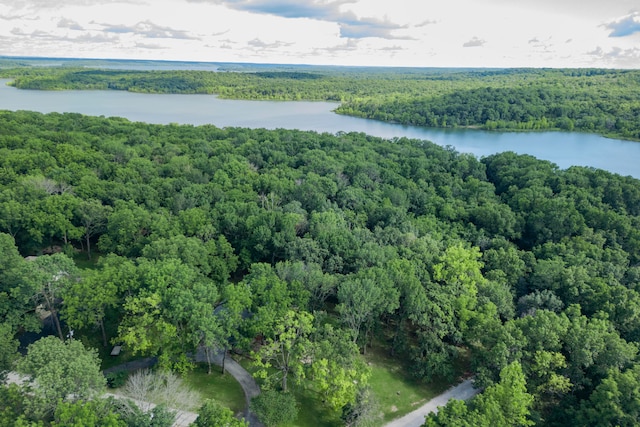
244 378
462 391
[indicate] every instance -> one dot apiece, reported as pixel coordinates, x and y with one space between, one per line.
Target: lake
562 148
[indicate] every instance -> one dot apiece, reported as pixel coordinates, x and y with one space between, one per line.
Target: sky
413 33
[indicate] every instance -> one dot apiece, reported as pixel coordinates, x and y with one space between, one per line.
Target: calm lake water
562 148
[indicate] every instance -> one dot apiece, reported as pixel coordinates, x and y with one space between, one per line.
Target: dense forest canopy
527 274
589 100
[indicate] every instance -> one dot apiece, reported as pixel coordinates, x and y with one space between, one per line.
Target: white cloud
474 42
355 32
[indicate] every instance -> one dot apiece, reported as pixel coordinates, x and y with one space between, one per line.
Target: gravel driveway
462 391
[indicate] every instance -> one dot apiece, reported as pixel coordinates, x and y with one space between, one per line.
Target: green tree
364 297
166 316
86 301
8 350
364 411
275 408
13 405
48 277
93 217
504 404
213 414
271 298
614 402
459 273
94 413
13 214
16 293
287 351
236 302
60 371
337 371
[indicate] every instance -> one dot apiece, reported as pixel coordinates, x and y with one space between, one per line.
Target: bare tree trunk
224 359
396 335
208 354
88 246
57 323
104 333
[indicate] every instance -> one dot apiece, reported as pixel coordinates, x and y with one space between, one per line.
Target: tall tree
60 371
93 217
364 297
48 277
213 414
614 402
288 350
504 404
16 293
93 413
8 350
86 301
459 273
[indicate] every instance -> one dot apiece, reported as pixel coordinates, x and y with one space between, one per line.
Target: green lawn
223 388
312 412
397 391
82 262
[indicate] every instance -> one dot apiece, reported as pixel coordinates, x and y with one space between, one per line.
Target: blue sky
427 33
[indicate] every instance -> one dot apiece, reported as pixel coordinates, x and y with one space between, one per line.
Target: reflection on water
563 148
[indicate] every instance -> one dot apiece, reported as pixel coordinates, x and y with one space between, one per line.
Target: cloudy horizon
419 33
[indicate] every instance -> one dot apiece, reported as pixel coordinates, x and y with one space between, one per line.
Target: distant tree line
587 100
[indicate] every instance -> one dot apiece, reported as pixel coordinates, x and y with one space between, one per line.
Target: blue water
562 148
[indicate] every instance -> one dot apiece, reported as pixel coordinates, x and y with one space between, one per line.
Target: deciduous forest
308 251
588 100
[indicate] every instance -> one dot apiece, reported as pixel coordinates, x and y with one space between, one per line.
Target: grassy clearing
222 388
84 263
312 412
398 392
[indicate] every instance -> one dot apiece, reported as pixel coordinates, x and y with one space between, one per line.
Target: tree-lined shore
587 100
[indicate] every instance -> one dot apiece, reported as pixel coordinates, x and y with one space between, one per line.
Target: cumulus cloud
322 10
474 42
18 17
425 23
81 38
149 46
68 23
149 30
351 26
394 48
57 4
544 45
349 46
625 26
257 43
370 28
616 56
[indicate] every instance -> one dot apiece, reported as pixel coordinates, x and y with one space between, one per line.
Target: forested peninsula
320 251
599 101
